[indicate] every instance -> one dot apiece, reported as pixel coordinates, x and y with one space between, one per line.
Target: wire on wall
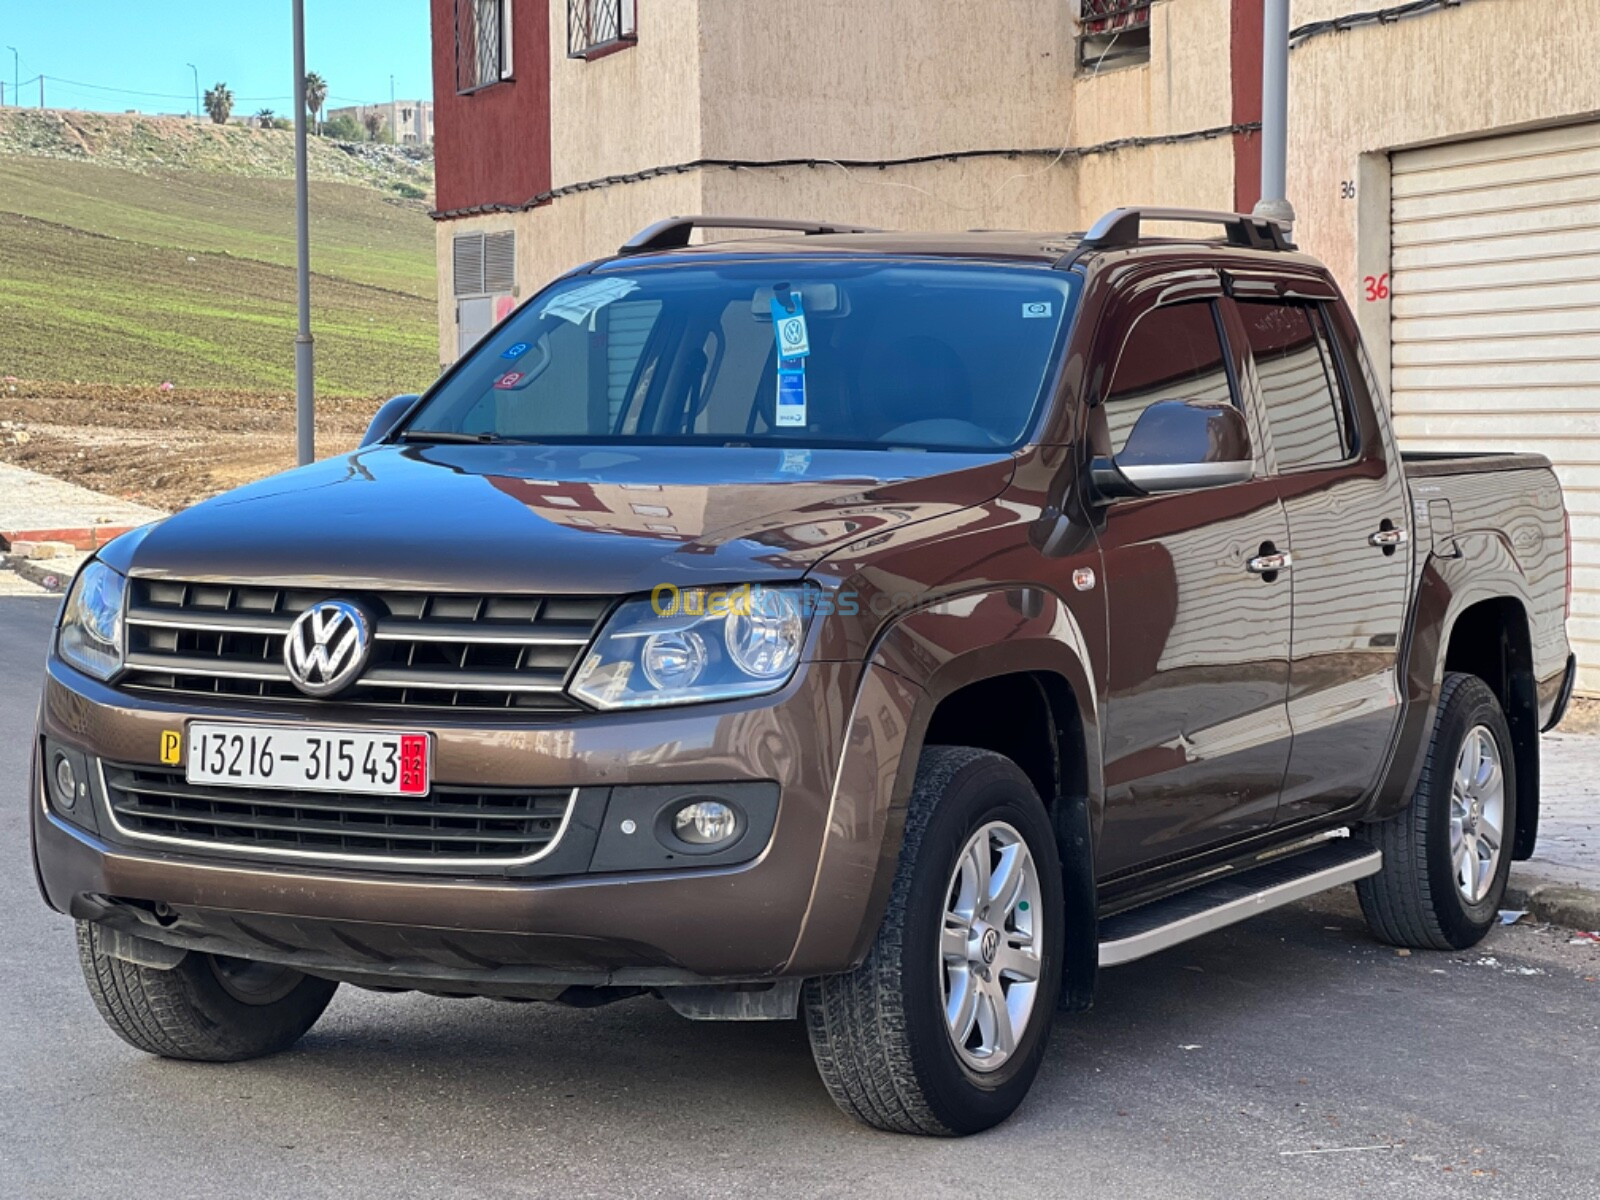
746 164
1376 16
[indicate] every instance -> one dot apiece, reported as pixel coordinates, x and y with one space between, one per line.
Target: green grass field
116 276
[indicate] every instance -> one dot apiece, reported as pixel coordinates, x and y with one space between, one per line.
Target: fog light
66 782
706 823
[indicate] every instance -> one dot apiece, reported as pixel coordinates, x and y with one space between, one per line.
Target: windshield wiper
447 435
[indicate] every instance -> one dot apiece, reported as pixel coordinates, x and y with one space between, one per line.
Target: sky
143 46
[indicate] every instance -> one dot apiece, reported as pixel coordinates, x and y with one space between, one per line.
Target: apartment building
410 120
1444 159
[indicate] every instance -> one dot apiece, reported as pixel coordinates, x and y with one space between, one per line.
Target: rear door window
1299 383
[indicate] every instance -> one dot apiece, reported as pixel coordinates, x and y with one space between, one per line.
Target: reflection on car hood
569 519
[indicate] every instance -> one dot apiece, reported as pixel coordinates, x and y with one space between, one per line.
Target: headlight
682 645
91 621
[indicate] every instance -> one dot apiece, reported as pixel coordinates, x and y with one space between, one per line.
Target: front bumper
684 925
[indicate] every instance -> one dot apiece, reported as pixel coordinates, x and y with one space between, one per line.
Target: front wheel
942 1027
208 1008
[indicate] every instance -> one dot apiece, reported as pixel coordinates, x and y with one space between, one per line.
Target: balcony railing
1113 33
597 27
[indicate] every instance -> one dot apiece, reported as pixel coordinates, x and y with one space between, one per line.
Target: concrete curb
79 537
1557 904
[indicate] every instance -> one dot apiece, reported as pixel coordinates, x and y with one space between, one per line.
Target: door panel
1196 725
1349 595
1197 732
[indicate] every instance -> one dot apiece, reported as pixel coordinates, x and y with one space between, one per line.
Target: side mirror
387 417
1176 446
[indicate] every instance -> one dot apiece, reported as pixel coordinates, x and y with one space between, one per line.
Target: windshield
873 354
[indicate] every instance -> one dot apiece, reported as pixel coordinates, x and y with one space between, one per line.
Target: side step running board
1142 931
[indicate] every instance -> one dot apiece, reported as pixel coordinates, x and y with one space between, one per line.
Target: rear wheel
208 1008
942 1027
1446 858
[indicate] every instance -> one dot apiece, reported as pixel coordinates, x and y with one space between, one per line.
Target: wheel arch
1491 638
1480 630
1013 674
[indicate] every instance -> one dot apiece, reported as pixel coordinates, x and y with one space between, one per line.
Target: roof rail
673 233
1121 227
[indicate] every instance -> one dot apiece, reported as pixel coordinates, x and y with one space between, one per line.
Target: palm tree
374 122
316 97
267 119
219 103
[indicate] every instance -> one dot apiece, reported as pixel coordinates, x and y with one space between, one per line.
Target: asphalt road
1212 1070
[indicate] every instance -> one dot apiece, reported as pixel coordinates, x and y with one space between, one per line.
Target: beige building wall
724 79
634 109
1486 66
885 79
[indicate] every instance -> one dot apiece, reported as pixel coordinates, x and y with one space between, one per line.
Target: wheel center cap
989 944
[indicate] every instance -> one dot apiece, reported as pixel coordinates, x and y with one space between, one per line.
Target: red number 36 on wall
1377 286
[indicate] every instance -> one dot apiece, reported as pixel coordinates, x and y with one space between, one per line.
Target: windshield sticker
789 325
1035 309
518 350
513 381
581 303
791 399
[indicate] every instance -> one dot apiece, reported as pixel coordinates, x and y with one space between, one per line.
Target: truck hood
555 519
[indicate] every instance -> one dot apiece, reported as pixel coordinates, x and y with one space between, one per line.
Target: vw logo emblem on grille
327 647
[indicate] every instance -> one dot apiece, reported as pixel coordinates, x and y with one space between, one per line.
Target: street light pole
196 71
1274 203
394 113
304 402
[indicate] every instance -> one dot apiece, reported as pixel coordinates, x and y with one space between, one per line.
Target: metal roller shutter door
1495 319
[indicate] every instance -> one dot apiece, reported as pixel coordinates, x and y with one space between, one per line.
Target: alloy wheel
1477 814
990 947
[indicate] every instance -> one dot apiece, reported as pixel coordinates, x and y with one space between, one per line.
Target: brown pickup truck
883 630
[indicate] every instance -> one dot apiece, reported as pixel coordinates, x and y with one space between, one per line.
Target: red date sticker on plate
414 764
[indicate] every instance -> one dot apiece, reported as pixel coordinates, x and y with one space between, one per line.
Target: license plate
310 760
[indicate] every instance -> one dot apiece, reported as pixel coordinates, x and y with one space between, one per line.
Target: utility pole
41 91
196 71
304 401
16 76
1274 203
394 113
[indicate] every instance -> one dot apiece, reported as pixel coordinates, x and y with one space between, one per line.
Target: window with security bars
1112 33
597 27
483 43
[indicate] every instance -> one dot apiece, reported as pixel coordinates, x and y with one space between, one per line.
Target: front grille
451 826
430 650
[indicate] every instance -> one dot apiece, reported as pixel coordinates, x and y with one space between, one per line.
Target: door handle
1270 564
1389 538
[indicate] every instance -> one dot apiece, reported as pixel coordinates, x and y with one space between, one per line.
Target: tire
879 1033
206 1009
1419 899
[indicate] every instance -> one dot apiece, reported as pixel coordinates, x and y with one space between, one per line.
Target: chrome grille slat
430 650
444 805
194 665
472 681
476 633
213 622
300 827
451 827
